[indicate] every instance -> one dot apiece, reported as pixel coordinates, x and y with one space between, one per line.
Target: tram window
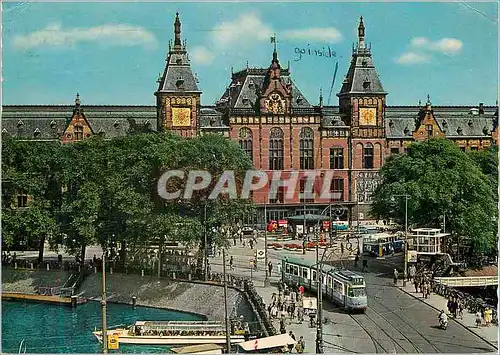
287 268
305 273
295 270
337 286
357 281
314 276
356 292
329 282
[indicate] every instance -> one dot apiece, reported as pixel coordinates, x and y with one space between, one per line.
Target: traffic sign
261 254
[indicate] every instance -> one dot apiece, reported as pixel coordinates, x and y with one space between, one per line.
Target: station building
279 128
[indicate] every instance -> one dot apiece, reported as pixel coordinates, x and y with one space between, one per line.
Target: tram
343 287
381 244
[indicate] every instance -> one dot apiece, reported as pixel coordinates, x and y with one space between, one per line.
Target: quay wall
207 300
204 299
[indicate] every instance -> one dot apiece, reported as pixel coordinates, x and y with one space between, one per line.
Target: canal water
48 328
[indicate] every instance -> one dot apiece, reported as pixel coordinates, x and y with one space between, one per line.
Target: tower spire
177 31
361 33
275 52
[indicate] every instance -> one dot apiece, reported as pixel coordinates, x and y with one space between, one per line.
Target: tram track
406 323
375 342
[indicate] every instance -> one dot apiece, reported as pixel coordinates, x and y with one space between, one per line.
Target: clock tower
362 102
178 96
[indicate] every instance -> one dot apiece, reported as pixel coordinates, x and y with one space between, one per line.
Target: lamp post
103 306
319 328
304 228
205 257
407 197
226 312
266 280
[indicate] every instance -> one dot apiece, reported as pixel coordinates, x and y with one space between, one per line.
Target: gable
77 129
428 127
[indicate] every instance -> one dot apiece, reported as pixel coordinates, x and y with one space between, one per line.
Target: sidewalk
489 334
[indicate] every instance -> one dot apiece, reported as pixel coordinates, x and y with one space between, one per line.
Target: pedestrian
415 282
241 238
302 345
461 309
449 305
300 314
428 289
231 261
282 326
270 267
301 290
356 259
365 265
479 319
396 274
251 243
290 347
423 285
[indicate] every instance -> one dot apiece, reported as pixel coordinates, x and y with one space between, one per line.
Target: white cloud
111 34
443 45
243 30
410 58
327 34
201 55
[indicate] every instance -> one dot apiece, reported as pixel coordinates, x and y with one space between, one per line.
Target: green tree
441 180
35 168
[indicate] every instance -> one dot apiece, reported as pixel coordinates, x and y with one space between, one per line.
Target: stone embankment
207 300
28 281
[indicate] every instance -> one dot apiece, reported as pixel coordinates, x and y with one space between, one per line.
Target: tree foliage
105 191
441 181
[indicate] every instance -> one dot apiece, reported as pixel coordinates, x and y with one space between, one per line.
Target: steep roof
454 121
246 87
177 76
51 121
362 77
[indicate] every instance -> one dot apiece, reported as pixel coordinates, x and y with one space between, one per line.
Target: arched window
276 149
368 156
306 148
245 140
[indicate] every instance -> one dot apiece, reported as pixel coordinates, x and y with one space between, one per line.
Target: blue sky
112 53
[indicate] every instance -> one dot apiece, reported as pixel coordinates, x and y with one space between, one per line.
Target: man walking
396 274
231 266
270 267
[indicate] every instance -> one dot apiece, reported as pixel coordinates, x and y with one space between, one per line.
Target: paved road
393 323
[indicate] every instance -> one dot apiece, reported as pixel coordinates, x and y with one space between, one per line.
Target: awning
309 218
266 343
193 349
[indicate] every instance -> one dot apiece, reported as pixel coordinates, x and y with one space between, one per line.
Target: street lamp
266 280
205 257
407 197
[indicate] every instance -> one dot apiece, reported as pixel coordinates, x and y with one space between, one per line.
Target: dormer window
147 124
366 84
101 133
245 100
20 123
53 124
445 124
406 130
250 84
212 122
469 123
299 100
459 130
485 131
116 124
179 83
364 63
391 124
178 61
36 133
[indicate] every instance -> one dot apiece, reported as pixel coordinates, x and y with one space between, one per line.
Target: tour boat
173 333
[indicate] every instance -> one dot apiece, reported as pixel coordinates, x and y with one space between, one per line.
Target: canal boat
173 333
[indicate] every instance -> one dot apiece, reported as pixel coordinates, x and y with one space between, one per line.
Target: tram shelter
310 221
427 241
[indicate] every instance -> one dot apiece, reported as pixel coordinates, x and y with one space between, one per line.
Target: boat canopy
274 341
208 326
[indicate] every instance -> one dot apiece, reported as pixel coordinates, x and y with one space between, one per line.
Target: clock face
368 116
181 116
275 103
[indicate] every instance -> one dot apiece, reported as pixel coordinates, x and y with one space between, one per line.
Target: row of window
336 191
